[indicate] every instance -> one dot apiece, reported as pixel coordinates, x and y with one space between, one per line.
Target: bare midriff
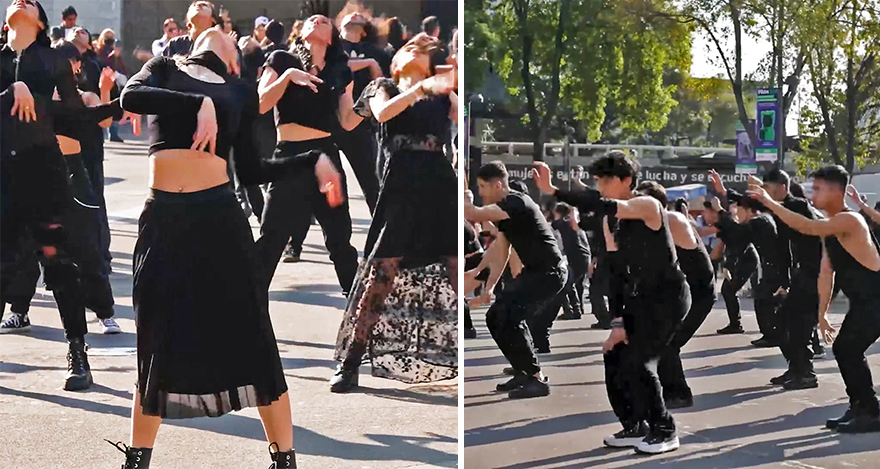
297 133
68 146
184 171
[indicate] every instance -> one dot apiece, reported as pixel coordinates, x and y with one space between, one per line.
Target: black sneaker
764 342
509 371
731 329
781 379
290 255
679 402
533 387
543 349
801 382
656 443
628 437
345 379
79 373
847 416
861 423
818 352
470 333
569 317
513 383
15 323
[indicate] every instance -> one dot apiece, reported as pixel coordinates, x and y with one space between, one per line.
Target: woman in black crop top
205 340
307 109
412 246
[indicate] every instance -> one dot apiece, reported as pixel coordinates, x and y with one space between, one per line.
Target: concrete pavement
385 425
738 420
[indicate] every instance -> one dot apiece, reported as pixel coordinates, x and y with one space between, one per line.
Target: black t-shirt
529 233
362 50
574 244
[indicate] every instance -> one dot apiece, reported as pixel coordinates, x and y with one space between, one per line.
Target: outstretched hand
758 193
541 174
301 78
854 195
717 184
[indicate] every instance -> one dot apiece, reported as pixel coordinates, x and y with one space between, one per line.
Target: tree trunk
737 84
851 89
555 84
521 7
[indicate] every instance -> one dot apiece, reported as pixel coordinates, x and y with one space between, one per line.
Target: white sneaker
656 444
109 327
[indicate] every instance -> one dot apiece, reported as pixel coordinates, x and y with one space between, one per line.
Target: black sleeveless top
857 281
696 265
299 104
423 126
650 255
163 90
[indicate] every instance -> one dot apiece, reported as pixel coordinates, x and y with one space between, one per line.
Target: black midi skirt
205 344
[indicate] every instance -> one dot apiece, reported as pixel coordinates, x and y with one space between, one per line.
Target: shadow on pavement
389 447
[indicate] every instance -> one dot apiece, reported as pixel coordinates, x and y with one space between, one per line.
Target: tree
584 57
842 40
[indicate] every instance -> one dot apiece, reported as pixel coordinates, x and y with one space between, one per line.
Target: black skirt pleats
204 338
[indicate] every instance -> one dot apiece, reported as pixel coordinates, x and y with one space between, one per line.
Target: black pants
799 315
292 201
740 272
599 292
520 301
860 329
38 178
359 147
93 160
767 303
670 369
631 377
577 277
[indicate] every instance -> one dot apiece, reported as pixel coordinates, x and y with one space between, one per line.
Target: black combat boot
282 460
135 458
79 373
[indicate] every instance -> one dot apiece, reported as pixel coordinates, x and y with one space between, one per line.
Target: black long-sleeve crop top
163 90
78 126
299 104
43 70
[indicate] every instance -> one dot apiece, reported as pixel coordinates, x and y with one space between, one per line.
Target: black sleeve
144 92
71 101
733 231
250 168
89 116
589 200
281 60
362 104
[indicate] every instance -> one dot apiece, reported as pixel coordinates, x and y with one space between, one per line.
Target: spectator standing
170 31
68 24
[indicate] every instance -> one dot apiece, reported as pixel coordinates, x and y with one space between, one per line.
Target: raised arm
841 224
854 195
476 214
348 119
145 93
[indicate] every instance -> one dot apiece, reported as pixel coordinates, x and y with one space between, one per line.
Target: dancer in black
306 112
35 193
652 312
797 314
403 312
851 257
740 261
760 230
195 269
697 267
522 227
200 16
473 256
577 252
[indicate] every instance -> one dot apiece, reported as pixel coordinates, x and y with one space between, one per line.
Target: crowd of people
237 126
652 269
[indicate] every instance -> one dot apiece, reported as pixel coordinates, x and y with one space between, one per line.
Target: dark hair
616 164
395 33
655 190
877 205
836 174
69 11
169 22
275 32
429 24
563 209
371 33
68 51
749 203
493 170
797 190
680 204
518 186
215 13
707 204
777 176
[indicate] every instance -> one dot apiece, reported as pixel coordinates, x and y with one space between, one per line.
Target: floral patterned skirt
403 310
